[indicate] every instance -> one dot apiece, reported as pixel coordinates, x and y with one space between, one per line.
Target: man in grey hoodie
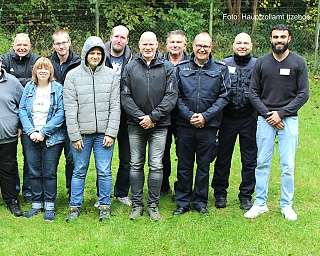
92 107
11 92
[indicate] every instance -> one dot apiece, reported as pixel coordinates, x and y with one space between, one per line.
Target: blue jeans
42 164
287 140
156 140
81 159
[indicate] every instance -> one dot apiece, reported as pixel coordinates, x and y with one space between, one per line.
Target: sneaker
49 215
74 214
289 214
255 211
32 212
104 212
154 213
96 204
136 212
124 200
14 208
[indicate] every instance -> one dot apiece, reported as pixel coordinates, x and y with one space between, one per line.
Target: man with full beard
278 89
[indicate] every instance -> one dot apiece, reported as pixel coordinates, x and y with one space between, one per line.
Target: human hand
108 141
78 145
146 122
197 120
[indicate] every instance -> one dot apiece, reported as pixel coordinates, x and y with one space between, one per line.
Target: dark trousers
122 184
166 161
69 164
8 163
198 145
229 130
26 187
42 162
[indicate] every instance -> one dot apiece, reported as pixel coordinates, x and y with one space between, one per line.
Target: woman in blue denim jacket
41 113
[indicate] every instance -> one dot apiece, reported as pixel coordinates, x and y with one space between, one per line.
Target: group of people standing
80 105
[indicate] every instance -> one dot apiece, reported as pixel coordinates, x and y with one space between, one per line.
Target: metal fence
89 18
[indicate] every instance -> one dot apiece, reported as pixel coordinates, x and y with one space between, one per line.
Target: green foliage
188 20
5 42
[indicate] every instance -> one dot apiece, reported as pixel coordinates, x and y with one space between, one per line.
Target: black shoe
245 204
221 202
14 208
202 210
180 211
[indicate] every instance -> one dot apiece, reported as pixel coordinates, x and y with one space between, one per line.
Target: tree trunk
254 13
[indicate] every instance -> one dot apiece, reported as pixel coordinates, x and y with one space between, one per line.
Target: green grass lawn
222 232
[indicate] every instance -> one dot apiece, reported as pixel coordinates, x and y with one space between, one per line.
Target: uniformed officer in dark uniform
239 118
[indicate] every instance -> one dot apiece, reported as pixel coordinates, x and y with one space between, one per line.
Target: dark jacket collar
157 60
206 65
17 57
71 58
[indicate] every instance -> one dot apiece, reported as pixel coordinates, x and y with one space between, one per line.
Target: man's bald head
21 44
242 44
148 45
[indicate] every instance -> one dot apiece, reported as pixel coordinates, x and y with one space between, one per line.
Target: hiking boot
154 213
255 211
124 200
104 212
289 214
136 212
14 208
32 212
74 214
49 215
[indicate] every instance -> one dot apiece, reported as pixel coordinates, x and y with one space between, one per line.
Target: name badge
232 70
284 71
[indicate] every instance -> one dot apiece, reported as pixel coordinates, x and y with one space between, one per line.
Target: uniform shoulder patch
220 62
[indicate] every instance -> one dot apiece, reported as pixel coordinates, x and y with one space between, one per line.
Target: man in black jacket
19 62
239 118
203 85
63 60
118 54
148 94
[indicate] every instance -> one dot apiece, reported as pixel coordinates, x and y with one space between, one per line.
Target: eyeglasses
205 47
61 43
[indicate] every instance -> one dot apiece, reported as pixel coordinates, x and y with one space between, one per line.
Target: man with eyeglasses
239 118
204 86
63 60
19 62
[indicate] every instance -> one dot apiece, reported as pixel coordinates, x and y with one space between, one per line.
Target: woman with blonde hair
41 113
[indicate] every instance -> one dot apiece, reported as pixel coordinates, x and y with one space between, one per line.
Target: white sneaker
124 200
255 211
289 214
96 204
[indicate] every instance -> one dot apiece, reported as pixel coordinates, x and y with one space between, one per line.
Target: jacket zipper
198 90
94 102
